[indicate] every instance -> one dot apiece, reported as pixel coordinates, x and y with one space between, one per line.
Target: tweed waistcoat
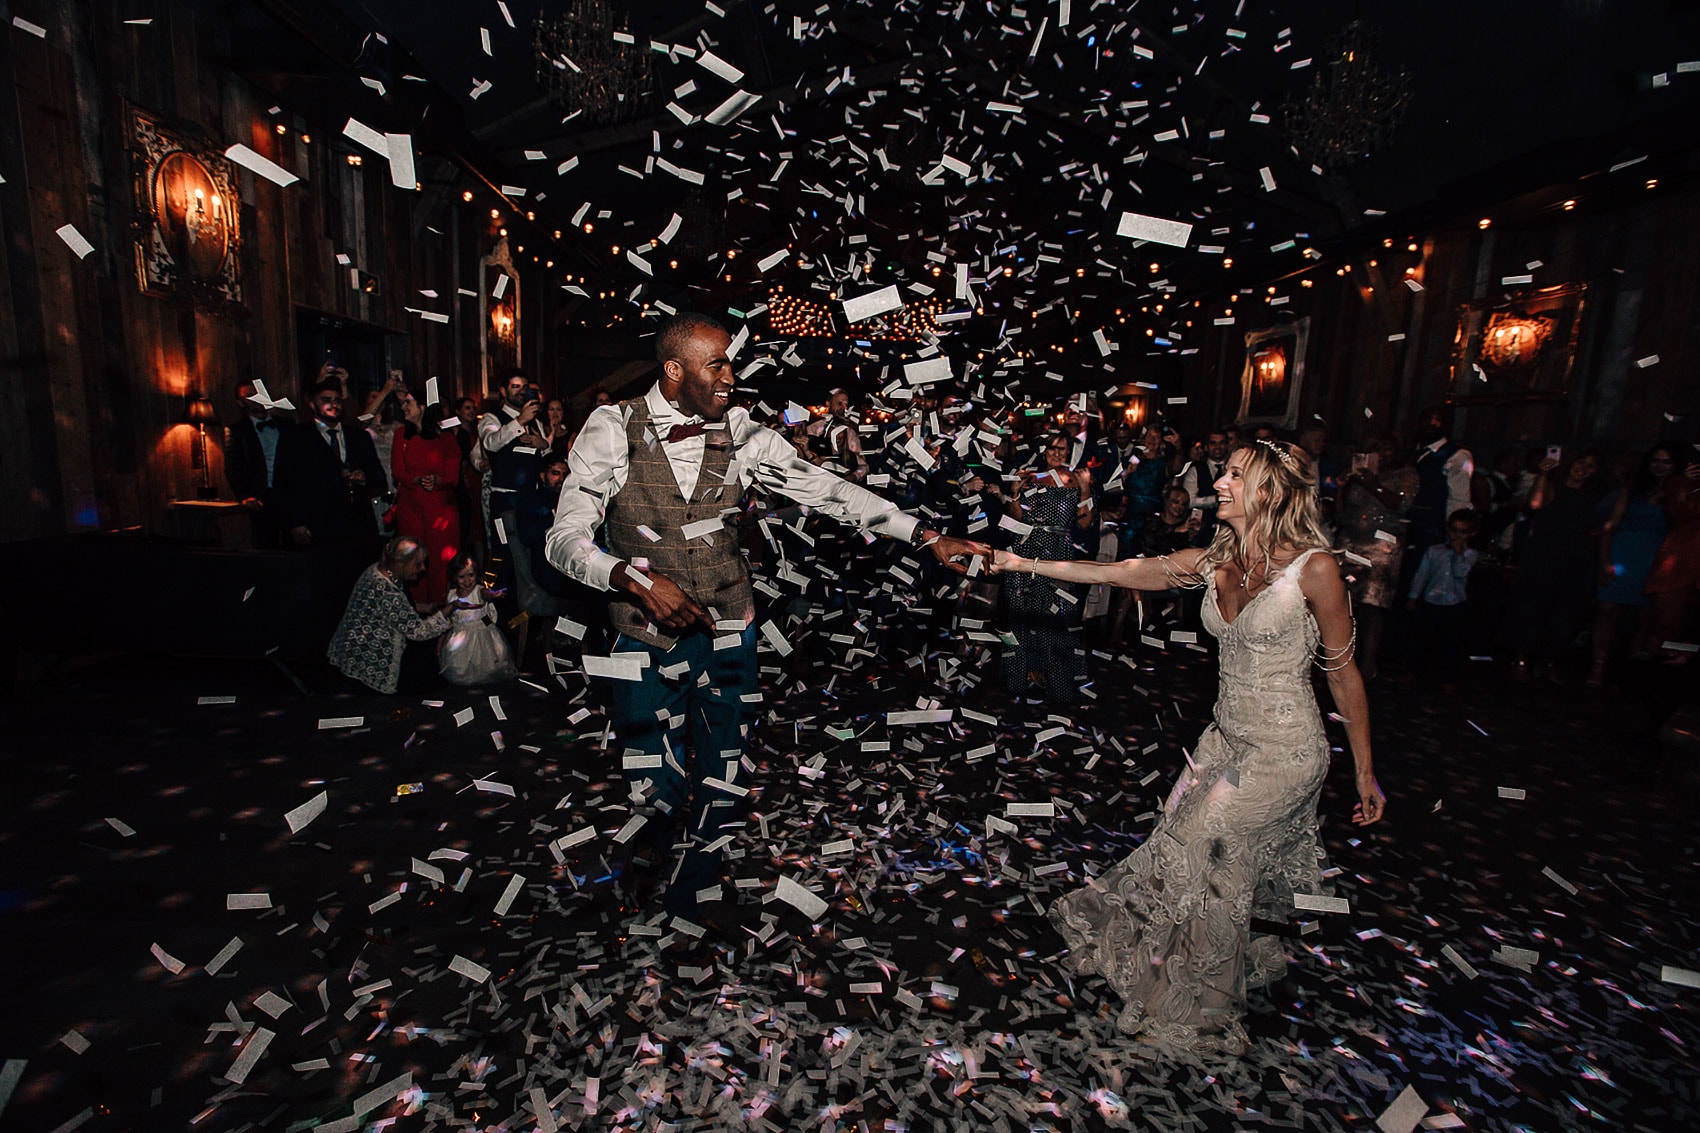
710 568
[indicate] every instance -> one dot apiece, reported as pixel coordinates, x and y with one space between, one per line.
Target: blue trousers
698 729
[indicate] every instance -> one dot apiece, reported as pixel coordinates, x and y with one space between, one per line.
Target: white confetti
74 240
299 818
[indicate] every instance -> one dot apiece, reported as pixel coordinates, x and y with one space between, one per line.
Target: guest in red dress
1674 583
426 466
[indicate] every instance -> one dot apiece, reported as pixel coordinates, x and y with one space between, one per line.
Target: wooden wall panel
94 373
1639 254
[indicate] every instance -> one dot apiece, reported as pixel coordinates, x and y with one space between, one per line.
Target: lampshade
199 410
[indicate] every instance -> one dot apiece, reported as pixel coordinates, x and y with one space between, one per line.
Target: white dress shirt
267 431
1460 466
1199 480
497 430
597 468
332 435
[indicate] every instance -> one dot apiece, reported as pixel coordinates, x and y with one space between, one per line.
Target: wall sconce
197 412
1511 341
1271 367
502 322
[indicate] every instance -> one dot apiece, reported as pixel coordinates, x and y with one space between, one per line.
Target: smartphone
1198 514
1555 452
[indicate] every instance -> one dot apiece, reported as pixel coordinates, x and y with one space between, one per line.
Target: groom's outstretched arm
766 458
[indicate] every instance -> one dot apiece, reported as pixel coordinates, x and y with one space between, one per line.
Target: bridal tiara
1280 450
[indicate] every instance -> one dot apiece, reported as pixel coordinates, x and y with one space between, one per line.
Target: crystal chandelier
589 65
1351 110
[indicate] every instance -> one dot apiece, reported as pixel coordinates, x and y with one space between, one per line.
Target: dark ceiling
860 100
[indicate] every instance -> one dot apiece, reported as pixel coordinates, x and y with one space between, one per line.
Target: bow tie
686 432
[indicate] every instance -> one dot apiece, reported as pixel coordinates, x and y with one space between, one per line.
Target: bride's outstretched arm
1165 573
1325 590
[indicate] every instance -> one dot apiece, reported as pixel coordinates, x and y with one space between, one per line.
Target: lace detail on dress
1170 925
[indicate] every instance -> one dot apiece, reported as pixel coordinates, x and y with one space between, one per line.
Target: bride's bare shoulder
1189 559
1319 574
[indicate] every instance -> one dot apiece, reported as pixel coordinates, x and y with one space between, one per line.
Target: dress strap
1299 562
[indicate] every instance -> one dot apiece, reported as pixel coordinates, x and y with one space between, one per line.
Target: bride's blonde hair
1278 493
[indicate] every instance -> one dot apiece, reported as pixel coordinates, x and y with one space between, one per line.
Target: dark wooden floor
926 997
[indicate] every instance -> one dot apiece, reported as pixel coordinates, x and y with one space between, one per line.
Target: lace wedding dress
1170 925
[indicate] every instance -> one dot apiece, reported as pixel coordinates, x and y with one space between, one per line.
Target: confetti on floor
451 957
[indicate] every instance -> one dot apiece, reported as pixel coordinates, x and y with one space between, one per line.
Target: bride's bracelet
1333 660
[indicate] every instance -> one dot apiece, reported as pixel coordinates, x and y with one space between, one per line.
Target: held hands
1005 562
1371 802
950 551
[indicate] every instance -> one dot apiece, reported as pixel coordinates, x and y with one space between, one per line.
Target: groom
665 470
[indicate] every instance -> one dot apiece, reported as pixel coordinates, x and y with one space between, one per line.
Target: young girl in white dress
474 652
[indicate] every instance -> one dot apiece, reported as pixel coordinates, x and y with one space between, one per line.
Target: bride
1170 926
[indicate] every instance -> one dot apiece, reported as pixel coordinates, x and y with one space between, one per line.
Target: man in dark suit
250 462
326 475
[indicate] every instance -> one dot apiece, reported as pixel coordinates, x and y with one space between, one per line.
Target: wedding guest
1439 598
426 462
1200 475
1371 524
1314 440
250 462
554 430
1556 563
380 621
1096 629
1675 577
1044 617
1144 478
1444 469
514 449
1634 527
473 468
842 443
1178 526
474 651
326 476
